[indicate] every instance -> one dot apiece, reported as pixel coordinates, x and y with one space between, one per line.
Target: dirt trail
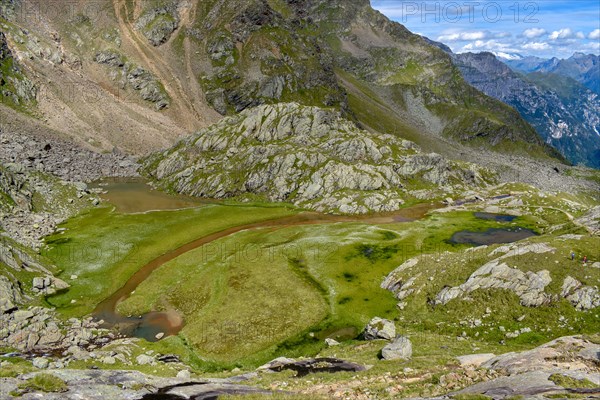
186 106
187 18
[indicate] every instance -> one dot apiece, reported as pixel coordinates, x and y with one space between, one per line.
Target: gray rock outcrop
308 156
529 286
379 328
134 77
399 349
10 295
157 24
529 372
582 297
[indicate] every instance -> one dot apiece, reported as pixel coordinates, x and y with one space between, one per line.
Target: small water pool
492 236
136 196
495 217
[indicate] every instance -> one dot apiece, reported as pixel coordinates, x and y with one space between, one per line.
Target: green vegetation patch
100 243
47 383
568 382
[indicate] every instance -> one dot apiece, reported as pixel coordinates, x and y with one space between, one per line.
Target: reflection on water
136 196
492 236
495 217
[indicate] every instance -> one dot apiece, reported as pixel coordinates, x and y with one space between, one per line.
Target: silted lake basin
137 197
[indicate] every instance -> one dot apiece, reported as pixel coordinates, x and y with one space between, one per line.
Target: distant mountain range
584 68
560 98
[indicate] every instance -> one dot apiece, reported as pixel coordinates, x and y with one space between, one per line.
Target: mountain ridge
565 113
195 62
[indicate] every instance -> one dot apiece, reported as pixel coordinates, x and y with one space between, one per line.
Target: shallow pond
492 236
136 196
495 217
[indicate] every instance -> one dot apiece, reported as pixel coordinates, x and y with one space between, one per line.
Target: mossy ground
263 293
101 243
42 382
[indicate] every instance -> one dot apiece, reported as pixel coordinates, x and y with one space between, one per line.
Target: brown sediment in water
171 322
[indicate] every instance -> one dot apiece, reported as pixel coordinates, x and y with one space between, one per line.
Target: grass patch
263 293
46 383
568 382
102 243
15 368
470 396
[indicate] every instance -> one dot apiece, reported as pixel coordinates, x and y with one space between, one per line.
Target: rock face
12 191
565 113
582 297
134 77
379 328
10 295
591 220
399 349
529 286
308 156
124 385
157 24
15 88
256 55
529 372
395 284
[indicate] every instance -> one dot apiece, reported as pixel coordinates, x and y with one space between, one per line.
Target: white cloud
592 46
534 33
536 46
488 45
501 35
565 33
594 35
580 35
462 36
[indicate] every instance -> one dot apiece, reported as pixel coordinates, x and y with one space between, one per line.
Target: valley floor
266 289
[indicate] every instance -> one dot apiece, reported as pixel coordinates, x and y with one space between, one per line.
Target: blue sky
544 28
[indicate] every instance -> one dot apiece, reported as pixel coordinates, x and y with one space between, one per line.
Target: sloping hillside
160 69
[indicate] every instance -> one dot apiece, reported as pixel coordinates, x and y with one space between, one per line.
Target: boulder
40 362
144 359
399 349
10 295
379 328
474 360
184 374
108 360
38 283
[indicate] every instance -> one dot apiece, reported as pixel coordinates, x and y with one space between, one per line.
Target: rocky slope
160 69
310 157
15 88
564 113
